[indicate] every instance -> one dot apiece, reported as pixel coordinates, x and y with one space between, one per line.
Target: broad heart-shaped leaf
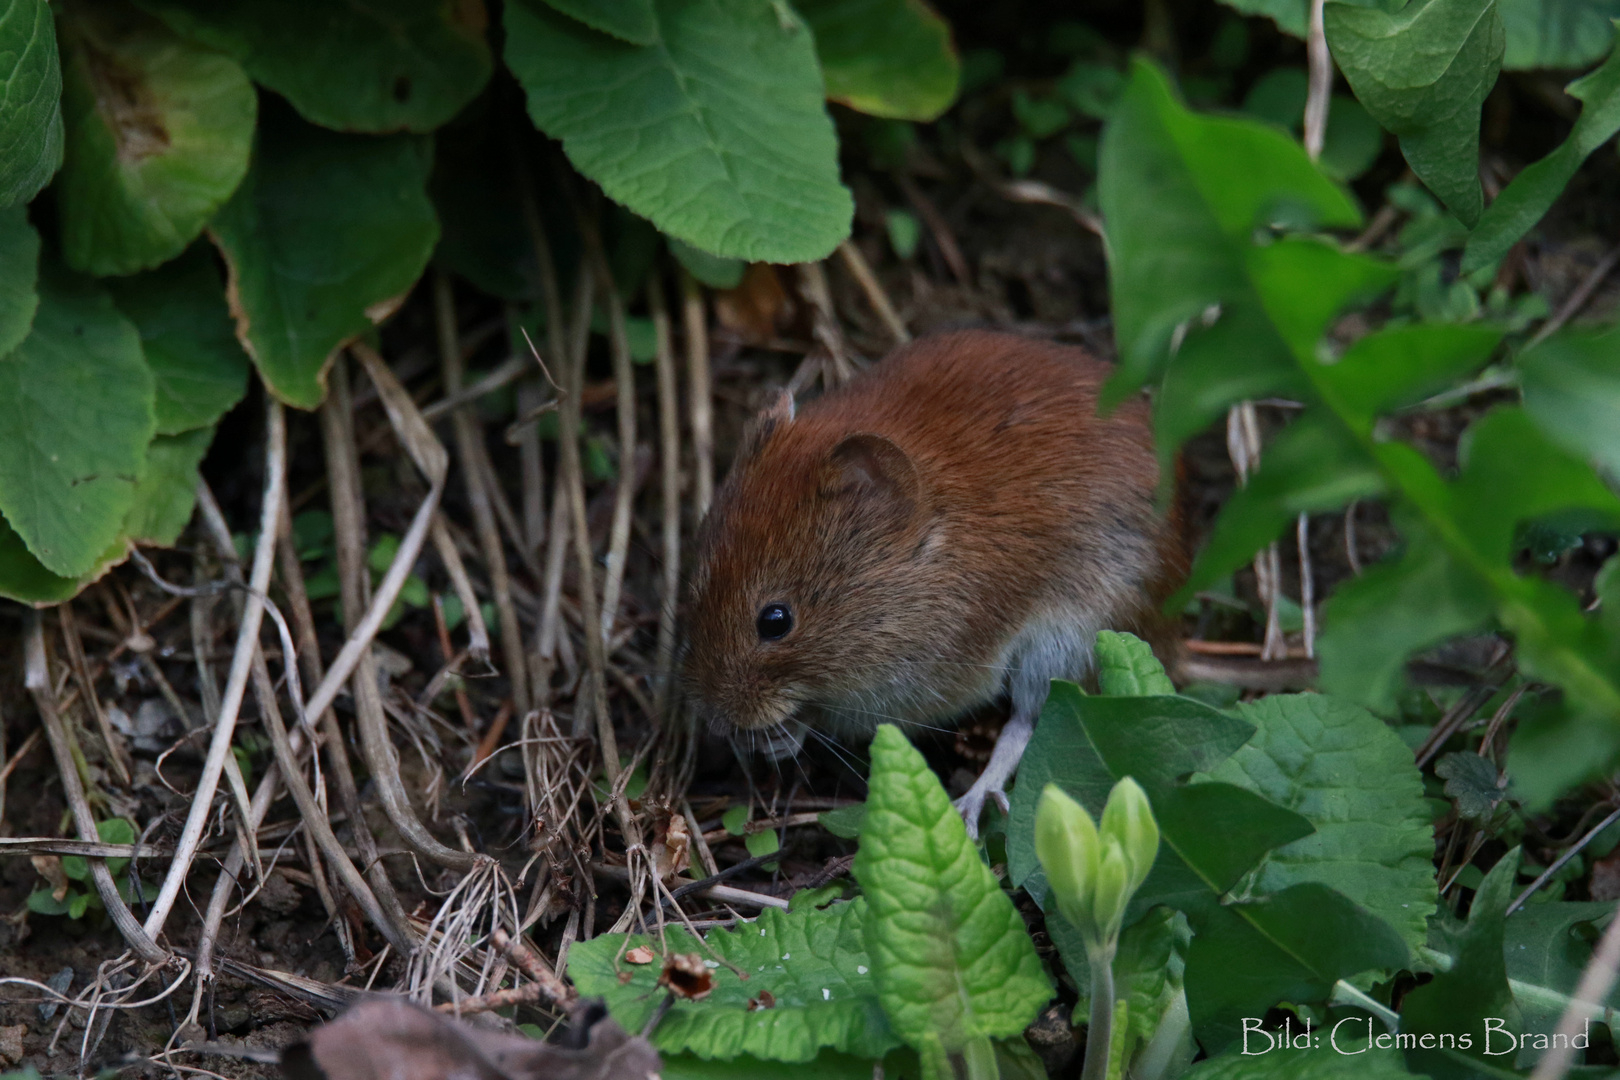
407 65
1532 193
167 492
717 132
627 20
23 578
19 274
1423 72
1545 948
1559 34
198 366
1350 775
1571 385
813 962
1126 667
76 407
712 270
158 135
324 238
950 955
1181 195
885 58
1476 987
30 100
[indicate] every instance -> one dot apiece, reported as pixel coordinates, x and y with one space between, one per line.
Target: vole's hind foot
992 783
971 805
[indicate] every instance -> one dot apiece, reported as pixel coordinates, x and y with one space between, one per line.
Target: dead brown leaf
687 976
639 955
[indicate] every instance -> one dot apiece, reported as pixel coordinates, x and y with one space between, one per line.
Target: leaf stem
1100 1033
980 1057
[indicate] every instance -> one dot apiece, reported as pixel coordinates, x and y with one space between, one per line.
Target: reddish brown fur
1011 524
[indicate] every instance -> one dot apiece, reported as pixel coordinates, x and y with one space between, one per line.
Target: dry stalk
1319 61
669 431
624 381
698 393
477 632
824 324
117 754
873 288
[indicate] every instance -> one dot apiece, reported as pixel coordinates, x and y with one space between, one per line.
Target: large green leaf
813 963
1423 72
1126 667
627 20
30 100
951 957
1564 34
408 65
324 238
885 57
1350 775
167 493
158 135
19 274
23 578
198 366
1532 193
1336 1059
1545 948
1291 16
717 132
76 407
1571 386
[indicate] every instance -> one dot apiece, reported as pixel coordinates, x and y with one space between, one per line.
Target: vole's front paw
971 805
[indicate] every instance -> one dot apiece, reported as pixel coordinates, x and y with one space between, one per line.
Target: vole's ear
759 430
877 471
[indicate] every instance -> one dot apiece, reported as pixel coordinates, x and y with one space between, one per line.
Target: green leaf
737 157
1545 948
1291 16
116 831
1423 72
827 1065
323 239
711 270
951 958
78 904
1348 774
76 407
885 57
198 367
1571 385
1476 986
1471 781
1356 1061
24 579
1148 969
812 962
734 819
167 492
1531 194
1353 140
158 135
44 902
1400 365
844 822
1564 34
408 65
1126 667
627 20
19 276
30 100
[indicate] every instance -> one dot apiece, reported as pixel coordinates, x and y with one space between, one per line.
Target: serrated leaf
1126 667
885 57
324 238
1531 194
628 20
148 163
198 367
1558 34
30 100
1571 386
1471 781
1423 72
814 964
1545 949
717 133
951 959
167 493
23 578
19 276
409 65
1348 774
76 406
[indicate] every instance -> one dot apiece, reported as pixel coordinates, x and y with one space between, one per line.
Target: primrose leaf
76 406
1531 194
890 58
1126 667
813 963
1423 72
1557 34
167 493
1348 774
323 239
149 165
19 277
198 367
1571 386
951 958
408 65
24 579
717 133
30 100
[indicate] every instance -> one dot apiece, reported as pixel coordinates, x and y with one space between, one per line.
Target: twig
699 400
1320 64
669 452
824 323
725 894
873 288
1558 864
1577 300
1307 583
535 968
116 752
1033 191
624 380
949 250
1593 990
477 633
456 398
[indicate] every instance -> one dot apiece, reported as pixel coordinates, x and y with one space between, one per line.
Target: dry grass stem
873 288
699 395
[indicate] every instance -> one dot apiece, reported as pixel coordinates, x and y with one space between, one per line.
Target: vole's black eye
774 621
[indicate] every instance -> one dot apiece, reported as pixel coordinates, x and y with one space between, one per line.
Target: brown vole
954 524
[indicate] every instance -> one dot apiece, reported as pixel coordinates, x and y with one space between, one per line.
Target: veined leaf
167 493
1531 194
76 406
408 65
951 958
30 100
717 132
885 57
19 275
158 135
24 578
1557 34
1571 385
1126 667
1291 16
627 20
1545 948
323 239
1423 72
712 270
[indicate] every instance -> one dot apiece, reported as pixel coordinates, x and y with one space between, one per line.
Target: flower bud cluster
1094 872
